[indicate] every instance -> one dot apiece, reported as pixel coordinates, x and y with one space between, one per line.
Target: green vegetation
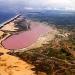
55 58
51 59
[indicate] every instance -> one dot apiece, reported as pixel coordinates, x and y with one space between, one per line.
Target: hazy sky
31 4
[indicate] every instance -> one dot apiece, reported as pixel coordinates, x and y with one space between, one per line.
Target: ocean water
5 16
54 17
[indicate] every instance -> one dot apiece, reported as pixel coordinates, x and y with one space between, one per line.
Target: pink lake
25 38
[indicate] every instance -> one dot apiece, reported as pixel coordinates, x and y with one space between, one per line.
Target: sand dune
11 65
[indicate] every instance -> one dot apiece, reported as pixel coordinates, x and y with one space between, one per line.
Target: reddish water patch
24 38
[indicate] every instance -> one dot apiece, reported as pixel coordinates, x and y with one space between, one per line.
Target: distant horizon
16 5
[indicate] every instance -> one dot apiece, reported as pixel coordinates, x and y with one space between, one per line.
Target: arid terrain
30 47
37 37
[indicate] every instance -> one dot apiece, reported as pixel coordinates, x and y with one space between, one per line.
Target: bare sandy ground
9 27
11 65
3 50
1 33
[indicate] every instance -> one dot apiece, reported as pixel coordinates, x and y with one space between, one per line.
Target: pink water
25 38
